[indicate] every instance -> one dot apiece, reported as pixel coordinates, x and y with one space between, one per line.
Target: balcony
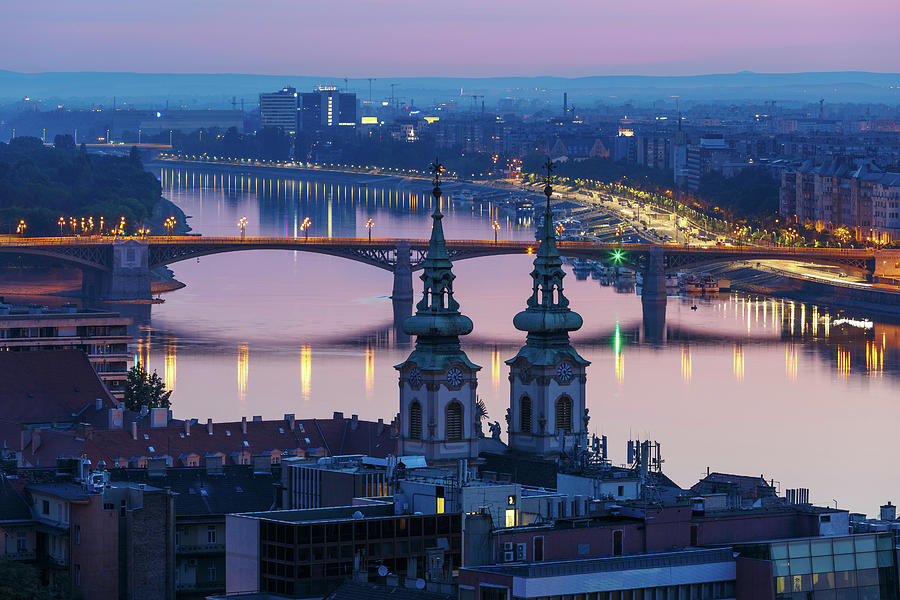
199 548
23 555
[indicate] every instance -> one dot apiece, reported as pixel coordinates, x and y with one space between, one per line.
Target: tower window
525 414
454 421
564 414
415 420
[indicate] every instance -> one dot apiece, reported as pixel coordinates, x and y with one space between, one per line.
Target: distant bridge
119 268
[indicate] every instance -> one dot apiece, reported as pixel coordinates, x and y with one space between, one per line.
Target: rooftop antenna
822 109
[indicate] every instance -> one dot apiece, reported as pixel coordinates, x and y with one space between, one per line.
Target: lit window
440 506
511 514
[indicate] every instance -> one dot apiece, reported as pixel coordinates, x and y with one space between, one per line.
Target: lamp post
242 223
304 226
62 223
20 229
496 227
170 225
369 225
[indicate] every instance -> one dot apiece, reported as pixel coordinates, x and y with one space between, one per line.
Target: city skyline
576 39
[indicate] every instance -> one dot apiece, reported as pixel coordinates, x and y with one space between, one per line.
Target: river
803 395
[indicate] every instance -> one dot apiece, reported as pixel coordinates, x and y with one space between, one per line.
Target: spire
548 312
437 313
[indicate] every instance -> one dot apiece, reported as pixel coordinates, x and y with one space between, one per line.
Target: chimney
116 418
209 427
187 427
84 431
354 422
289 417
257 418
134 430
244 425
337 415
159 417
99 404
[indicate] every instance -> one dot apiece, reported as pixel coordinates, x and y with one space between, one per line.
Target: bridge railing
519 245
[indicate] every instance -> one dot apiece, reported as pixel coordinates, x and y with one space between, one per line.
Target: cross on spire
548 180
436 169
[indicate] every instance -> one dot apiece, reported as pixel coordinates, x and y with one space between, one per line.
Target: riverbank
769 281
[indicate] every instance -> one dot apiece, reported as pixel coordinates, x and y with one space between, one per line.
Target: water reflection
169 363
305 372
243 372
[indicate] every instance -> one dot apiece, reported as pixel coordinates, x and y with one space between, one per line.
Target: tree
20 581
145 389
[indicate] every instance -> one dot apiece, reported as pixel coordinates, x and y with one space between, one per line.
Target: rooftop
321 515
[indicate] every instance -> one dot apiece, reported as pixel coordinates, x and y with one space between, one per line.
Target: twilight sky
378 38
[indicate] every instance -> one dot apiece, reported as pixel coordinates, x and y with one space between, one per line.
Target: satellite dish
420 584
358 515
382 571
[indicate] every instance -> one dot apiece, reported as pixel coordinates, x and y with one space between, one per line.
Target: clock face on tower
564 372
415 377
454 377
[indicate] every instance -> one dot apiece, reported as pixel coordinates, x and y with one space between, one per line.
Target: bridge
119 268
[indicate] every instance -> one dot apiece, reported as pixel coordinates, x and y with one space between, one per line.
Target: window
211 534
620 491
22 543
45 507
564 414
439 498
525 415
415 420
77 574
454 421
212 574
538 551
511 517
78 534
617 542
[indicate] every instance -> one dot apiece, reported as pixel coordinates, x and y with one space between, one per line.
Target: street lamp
242 223
20 229
369 225
169 224
496 227
62 223
304 226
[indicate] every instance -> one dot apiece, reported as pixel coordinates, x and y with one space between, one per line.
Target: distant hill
217 90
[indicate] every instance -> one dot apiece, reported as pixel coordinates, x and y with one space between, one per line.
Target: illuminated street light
304 226
496 227
62 223
20 229
242 223
169 225
369 225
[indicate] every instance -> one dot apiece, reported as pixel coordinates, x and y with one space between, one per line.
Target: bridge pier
127 279
403 287
653 296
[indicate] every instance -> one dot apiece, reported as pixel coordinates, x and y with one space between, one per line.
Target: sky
457 38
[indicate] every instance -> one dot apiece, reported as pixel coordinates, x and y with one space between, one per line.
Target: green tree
145 389
20 581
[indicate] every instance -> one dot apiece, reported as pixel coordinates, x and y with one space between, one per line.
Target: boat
581 267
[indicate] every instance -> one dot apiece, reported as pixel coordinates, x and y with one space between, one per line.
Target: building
332 481
203 496
437 381
280 109
547 413
101 335
307 553
327 107
693 573
192 120
91 538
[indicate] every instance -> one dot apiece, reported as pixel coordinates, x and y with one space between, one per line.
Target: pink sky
360 38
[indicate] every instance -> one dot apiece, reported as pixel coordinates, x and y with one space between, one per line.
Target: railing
24 555
199 548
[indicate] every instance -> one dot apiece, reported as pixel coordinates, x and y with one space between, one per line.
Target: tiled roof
51 386
12 506
323 437
746 486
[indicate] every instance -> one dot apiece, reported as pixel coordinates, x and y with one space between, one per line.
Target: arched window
454 421
525 414
415 420
564 414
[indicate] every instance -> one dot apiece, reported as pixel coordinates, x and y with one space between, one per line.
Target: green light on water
617 340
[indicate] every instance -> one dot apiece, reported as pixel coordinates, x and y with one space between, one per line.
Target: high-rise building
326 107
437 380
280 109
547 377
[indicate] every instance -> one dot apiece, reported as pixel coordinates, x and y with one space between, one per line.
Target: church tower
437 381
547 377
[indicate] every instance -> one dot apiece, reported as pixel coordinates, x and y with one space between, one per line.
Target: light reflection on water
808 399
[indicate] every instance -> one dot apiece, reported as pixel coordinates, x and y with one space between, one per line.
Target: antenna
371 79
346 85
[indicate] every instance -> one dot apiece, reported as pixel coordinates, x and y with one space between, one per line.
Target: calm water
800 394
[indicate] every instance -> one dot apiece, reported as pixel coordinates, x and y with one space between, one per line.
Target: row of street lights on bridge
305 225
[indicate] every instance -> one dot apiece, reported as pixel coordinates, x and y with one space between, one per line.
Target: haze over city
504 300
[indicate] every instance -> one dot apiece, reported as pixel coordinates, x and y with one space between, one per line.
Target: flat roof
319 515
